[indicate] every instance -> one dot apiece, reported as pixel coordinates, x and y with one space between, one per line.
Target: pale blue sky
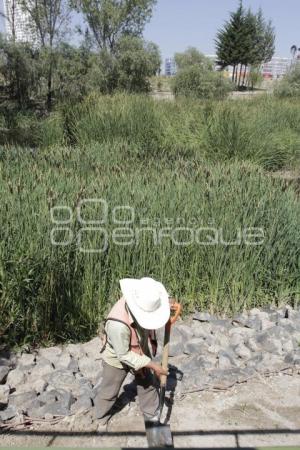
177 24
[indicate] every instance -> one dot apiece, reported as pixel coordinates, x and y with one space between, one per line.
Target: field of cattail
126 187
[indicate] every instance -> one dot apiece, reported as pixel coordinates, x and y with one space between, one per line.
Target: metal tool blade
162 395
158 435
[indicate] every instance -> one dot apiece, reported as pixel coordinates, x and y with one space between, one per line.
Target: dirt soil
260 412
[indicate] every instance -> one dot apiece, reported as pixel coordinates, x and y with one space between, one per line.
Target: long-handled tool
159 435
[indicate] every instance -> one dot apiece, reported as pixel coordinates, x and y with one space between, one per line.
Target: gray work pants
110 387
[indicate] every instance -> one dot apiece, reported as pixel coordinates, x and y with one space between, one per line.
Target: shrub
192 57
197 83
289 86
128 69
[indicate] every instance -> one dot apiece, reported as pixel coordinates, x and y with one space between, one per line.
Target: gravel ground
260 412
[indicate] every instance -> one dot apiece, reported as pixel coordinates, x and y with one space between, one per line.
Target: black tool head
158 435
162 395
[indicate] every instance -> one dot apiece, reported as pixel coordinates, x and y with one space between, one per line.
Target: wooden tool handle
165 356
175 307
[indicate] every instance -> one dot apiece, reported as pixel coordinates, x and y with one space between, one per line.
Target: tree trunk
244 76
236 73
49 84
233 74
240 74
248 78
50 76
49 93
13 22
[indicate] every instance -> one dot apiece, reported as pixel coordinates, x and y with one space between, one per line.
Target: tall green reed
58 292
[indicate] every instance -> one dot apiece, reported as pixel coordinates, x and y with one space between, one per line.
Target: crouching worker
143 308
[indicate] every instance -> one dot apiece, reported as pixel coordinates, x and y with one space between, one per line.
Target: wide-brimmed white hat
147 300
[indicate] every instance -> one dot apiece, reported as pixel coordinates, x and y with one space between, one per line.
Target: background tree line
112 54
245 42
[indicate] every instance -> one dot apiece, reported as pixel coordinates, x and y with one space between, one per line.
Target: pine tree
245 41
250 39
228 41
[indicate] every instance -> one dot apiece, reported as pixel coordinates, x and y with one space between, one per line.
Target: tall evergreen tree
251 45
228 40
263 38
245 40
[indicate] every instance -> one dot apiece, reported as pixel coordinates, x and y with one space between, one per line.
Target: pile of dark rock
206 352
54 381
217 353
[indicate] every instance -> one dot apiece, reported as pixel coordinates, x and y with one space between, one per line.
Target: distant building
170 67
16 20
273 70
276 68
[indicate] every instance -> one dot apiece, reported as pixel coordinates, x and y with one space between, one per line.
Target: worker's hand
171 301
157 368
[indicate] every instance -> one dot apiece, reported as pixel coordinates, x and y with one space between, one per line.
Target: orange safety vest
120 314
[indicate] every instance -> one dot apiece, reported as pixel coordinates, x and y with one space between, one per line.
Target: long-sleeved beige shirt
117 350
